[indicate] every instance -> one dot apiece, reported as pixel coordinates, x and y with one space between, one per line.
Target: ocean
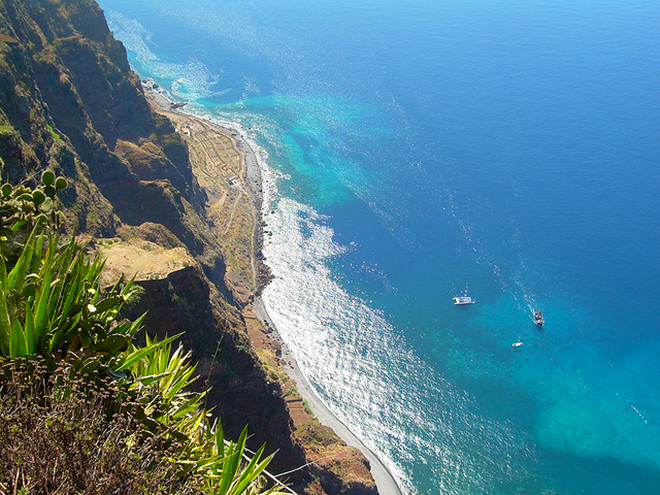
416 150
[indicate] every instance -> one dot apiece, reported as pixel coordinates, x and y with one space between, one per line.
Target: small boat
538 318
516 344
460 300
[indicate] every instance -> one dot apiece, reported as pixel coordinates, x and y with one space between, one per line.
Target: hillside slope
69 101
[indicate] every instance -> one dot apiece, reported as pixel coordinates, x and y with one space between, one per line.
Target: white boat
516 344
460 300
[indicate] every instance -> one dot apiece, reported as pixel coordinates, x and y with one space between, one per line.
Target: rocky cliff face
240 390
69 101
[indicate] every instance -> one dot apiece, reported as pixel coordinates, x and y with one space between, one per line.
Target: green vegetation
6 130
83 409
56 137
308 409
46 56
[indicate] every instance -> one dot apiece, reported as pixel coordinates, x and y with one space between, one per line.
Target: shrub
82 408
66 437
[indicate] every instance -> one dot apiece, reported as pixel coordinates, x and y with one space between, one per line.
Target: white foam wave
189 81
365 372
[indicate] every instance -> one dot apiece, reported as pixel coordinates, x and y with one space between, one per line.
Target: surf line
639 413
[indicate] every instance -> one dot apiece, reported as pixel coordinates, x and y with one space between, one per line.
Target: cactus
21 205
60 183
38 197
48 177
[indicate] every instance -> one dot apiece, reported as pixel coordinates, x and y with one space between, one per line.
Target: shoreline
383 478
385 481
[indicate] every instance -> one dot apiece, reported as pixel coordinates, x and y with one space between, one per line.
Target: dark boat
538 318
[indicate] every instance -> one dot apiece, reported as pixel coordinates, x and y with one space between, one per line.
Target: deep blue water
418 148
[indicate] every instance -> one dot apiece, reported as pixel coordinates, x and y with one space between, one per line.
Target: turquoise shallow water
418 148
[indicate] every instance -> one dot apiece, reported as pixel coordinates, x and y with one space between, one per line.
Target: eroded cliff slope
69 101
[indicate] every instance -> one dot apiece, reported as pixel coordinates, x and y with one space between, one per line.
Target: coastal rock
69 101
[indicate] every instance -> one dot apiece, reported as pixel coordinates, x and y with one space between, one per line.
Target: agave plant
163 375
230 472
51 303
50 299
156 370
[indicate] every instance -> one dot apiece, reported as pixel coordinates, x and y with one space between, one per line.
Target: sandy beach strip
384 479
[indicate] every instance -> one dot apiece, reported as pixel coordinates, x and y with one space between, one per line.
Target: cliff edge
69 101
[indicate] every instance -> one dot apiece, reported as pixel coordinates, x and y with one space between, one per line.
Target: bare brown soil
146 260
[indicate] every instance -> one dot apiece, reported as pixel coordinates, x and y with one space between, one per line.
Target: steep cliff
69 101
